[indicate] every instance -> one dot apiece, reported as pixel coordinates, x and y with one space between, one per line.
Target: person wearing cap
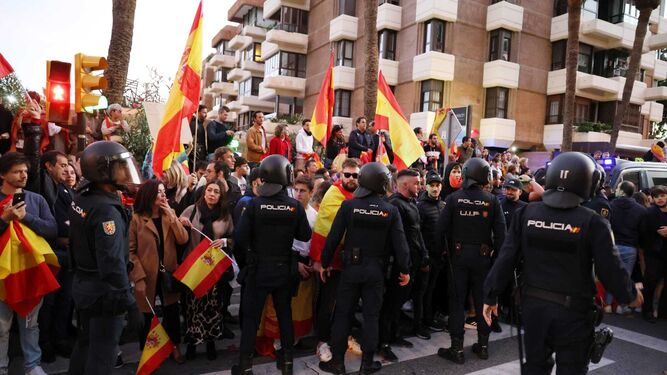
267 229
531 190
559 242
370 227
510 202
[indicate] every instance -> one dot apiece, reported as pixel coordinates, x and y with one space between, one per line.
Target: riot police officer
472 225
267 228
559 242
371 226
599 202
99 250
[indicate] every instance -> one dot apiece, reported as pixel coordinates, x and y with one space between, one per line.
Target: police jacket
600 204
627 221
429 211
559 248
99 248
269 225
409 212
371 225
471 217
509 207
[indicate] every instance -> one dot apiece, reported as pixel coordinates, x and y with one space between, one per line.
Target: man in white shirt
304 145
113 123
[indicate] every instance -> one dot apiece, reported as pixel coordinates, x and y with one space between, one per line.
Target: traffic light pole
81 131
32 138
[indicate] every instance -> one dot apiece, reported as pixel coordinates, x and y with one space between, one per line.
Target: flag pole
208 238
194 148
151 306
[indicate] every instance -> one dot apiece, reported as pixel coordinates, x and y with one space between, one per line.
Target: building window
342 103
585 58
285 64
394 2
253 52
560 7
432 93
293 20
434 36
223 49
500 45
496 102
617 11
288 105
387 44
249 87
344 53
243 120
255 17
554 110
221 75
217 101
558 56
347 7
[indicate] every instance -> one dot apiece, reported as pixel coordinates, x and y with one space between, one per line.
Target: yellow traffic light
86 82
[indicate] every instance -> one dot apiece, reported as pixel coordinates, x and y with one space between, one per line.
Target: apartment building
503 59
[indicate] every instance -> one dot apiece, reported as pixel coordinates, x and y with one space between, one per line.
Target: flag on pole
320 123
182 103
5 68
447 128
203 267
381 155
157 348
388 116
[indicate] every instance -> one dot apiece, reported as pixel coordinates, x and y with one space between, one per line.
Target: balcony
655 93
660 70
653 110
265 94
343 78
657 41
287 41
343 27
506 15
553 137
593 31
501 73
224 88
239 42
389 17
235 106
286 86
588 85
255 32
433 65
497 132
273 6
255 104
268 50
638 90
422 119
648 61
443 9
389 69
220 60
238 74
255 68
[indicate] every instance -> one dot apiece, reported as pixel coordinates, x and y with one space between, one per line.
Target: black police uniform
101 287
370 225
600 204
472 224
559 247
267 228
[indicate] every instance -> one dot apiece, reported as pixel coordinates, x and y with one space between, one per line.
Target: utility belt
355 256
484 249
575 303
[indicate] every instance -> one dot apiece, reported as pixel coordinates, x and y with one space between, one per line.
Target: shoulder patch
109 227
604 212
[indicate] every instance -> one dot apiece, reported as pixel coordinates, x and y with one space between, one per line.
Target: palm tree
571 62
645 8
120 47
371 70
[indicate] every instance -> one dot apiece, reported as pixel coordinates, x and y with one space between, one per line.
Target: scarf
206 217
308 132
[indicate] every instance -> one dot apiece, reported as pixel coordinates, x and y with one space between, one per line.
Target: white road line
639 339
513 368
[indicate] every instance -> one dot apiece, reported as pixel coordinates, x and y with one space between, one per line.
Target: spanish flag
202 268
182 103
329 207
320 123
381 156
388 115
157 348
27 267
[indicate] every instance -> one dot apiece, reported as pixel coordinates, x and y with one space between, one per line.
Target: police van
644 175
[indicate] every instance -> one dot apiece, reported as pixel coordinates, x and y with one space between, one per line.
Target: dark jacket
446 187
387 146
429 212
409 212
333 148
358 143
217 136
509 207
654 244
600 204
627 218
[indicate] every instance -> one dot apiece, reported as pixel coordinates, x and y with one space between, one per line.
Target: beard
308 132
350 185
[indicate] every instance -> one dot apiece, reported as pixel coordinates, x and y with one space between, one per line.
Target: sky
34 31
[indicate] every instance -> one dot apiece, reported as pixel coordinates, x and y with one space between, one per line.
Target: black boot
285 361
481 348
368 365
455 352
191 352
211 352
335 366
245 365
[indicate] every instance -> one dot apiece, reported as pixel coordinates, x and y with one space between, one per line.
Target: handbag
170 284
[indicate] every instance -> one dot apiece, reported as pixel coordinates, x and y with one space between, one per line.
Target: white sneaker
607 309
353 346
324 352
36 371
622 310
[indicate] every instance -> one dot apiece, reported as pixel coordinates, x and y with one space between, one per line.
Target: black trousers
656 269
418 294
326 302
430 290
552 328
171 323
366 281
95 349
469 272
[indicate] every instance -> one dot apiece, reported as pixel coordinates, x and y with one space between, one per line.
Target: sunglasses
353 175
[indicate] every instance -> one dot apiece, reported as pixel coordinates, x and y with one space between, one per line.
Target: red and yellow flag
27 267
320 123
381 155
329 207
183 101
157 348
202 268
388 115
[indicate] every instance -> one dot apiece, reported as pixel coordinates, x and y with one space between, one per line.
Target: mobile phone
18 198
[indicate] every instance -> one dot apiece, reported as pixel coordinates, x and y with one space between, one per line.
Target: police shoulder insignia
109 227
604 212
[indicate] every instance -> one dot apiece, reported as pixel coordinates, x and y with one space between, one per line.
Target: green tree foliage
11 87
138 140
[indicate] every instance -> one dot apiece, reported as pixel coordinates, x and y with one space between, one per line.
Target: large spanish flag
157 348
202 268
388 115
182 103
320 123
329 207
27 267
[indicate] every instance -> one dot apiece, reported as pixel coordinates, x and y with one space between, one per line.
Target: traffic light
86 82
57 91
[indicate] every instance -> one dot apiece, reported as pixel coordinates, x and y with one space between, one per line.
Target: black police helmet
99 160
476 171
374 178
569 180
597 182
277 173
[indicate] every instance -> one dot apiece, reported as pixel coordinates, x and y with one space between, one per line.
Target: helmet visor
124 172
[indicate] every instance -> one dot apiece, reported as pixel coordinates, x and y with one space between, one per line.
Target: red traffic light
58 91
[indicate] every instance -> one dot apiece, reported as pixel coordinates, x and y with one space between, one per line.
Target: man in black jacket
511 202
656 248
386 141
217 132
360 140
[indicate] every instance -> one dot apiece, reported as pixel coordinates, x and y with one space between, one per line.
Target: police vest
276 222
472 223
369 224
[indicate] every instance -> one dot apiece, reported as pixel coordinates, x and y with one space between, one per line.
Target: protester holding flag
212 217
382 149
154 232
335 145
360 140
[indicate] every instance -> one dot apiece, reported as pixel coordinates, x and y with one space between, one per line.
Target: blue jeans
628 258
29 335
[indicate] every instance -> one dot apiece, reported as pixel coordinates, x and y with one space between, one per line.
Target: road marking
512 368
639 339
